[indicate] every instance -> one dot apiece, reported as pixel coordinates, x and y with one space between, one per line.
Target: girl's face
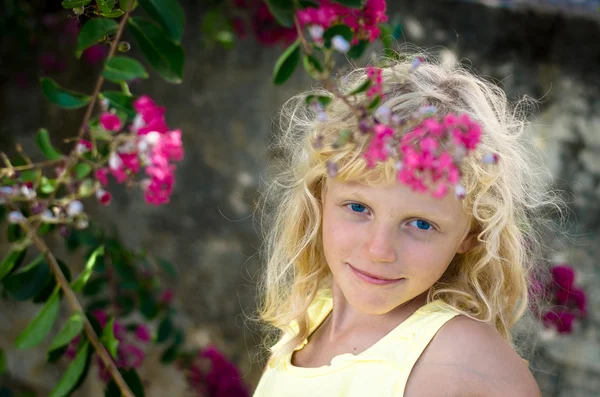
403 239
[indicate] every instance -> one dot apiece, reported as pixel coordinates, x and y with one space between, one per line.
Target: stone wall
226 109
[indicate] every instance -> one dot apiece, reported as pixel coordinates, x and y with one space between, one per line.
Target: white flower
340 44
460 191
115 162
74 208
316 32
27 192
322 117
15 217
383 114
490 158
47 215
138 122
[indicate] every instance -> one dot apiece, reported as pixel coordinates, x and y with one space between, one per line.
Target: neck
345 321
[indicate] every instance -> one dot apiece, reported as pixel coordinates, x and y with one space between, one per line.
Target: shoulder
470 358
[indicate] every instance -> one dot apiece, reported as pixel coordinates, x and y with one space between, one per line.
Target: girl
378 289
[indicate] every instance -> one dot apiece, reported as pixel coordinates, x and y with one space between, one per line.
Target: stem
76 307
72 159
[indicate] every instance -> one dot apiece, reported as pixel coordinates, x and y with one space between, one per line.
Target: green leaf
362 87
73 373
133 381
169 14
75 3
165 329
82 170
105 6
167 266
45 293
169 355
62 97
84 276
148 305
119 101
92 32
42 139
9 262
283 11
335 30
121 68
41 325
108 338
54 355
357 50
125 4
29 281
70 330
312 64
324 100
113 14
94 286
47 186
374 103
287 63
163 54
350 3
3 362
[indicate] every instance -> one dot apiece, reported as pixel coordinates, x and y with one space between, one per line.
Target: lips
374 276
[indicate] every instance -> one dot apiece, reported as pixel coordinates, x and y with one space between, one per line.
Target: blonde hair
504 201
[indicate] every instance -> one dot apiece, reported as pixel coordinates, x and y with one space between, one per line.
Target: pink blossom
103 197
266 29
110 121
142 333
83 146
95 54
562 321
166 296
130 161
170 146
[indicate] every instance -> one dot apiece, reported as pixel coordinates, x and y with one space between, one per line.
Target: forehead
396 197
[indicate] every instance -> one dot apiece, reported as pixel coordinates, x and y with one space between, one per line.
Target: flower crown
427 148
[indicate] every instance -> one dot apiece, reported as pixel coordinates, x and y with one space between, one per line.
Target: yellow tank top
381 370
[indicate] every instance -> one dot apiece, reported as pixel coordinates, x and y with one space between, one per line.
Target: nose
379 245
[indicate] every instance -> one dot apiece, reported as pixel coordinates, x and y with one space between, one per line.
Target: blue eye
422 225
357 207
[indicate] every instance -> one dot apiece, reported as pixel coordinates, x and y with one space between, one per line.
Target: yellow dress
381 370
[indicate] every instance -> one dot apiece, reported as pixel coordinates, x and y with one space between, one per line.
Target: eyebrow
424 212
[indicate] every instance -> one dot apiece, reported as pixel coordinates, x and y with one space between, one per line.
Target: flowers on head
363 22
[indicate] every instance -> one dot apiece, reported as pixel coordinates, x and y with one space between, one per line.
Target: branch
72 159
76 307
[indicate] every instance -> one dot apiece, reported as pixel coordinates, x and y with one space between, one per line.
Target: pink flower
95 53
166 296
103 197
130 161
83 146
142 333
110 121
170 146
562 321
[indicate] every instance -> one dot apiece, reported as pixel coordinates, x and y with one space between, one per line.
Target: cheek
337 237
427 259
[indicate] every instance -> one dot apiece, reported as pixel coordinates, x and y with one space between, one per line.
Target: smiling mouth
373 279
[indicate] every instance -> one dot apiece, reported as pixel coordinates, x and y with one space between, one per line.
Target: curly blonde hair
504 202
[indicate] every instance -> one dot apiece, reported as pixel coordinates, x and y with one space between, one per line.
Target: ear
468 242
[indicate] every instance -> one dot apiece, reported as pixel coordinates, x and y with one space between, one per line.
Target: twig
76 307
72 159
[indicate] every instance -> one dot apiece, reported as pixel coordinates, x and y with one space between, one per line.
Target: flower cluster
423 153
129 352
376 87
363 22
220 379
151 145
568 302
262 23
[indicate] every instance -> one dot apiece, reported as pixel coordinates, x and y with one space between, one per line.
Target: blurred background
226 108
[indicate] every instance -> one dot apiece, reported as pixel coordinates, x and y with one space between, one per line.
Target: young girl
378 289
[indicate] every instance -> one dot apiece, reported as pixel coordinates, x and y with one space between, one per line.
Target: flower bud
364 126
103 196
48 216
81 224
74 208
332 168
316 32
340 44
16 217
78 11
64 231
123 46
490 158
322 117
383 114
115 162
460 191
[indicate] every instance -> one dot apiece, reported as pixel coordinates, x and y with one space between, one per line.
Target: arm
470 358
